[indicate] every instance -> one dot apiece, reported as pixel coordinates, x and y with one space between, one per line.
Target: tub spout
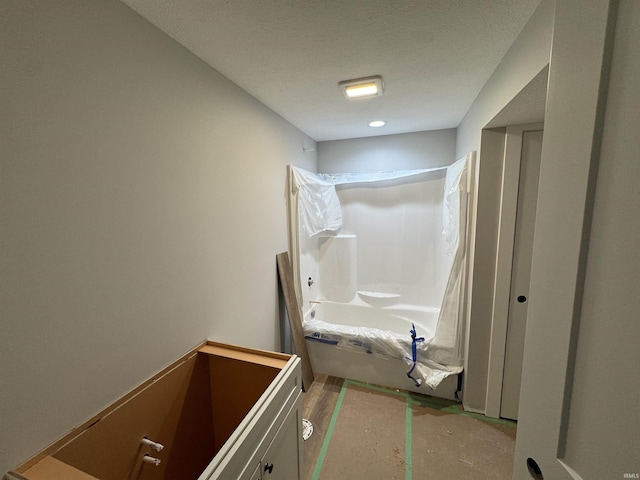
312 305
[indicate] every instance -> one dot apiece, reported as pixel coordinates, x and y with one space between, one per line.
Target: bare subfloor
365 431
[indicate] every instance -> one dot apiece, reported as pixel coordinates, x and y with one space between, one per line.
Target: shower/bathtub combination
380 267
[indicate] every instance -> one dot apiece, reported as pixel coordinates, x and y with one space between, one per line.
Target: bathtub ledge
378 295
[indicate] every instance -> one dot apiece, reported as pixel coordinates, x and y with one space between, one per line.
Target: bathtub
371 341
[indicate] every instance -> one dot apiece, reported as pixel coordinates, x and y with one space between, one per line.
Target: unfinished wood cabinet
221 412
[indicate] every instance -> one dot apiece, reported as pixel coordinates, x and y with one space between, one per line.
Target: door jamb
504 263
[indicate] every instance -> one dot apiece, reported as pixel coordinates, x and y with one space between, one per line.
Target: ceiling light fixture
362 87
377 123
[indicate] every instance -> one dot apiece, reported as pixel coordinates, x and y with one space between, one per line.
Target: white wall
142 206
528 55
388 152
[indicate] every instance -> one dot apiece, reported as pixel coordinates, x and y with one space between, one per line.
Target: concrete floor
364 431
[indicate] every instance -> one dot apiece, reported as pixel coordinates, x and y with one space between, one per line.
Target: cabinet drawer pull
268 468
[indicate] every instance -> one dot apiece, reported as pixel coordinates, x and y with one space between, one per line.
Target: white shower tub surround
374 254
371 342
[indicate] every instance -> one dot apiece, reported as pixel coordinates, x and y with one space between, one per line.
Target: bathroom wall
388 152
142 203
526 58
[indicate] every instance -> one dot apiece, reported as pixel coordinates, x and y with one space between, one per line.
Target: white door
513 260
579 414
521 270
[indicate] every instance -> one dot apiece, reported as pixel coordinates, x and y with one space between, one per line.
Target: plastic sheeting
385 344
319 206
318 203
375 341
448 345
451 208
440 355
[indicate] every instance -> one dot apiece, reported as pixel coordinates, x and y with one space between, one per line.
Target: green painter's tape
435 403
327 438
479 416
376 388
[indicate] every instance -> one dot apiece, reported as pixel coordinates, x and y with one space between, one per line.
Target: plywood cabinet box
221 412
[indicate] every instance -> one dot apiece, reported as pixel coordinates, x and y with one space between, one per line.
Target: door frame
576 98
504 262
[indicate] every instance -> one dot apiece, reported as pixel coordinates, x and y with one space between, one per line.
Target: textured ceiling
434 55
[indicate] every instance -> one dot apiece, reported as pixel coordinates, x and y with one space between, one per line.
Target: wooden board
285 273
261 357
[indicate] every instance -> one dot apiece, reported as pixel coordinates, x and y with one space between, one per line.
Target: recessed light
362 87
377 123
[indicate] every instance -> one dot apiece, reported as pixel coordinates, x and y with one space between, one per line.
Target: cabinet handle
268 468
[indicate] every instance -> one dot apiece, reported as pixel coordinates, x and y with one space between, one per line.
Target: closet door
531 148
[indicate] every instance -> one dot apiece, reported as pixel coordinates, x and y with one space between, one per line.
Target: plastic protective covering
318 203
319 208
437 356
382 343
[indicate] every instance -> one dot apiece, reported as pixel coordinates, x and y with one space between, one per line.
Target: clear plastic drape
318 211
